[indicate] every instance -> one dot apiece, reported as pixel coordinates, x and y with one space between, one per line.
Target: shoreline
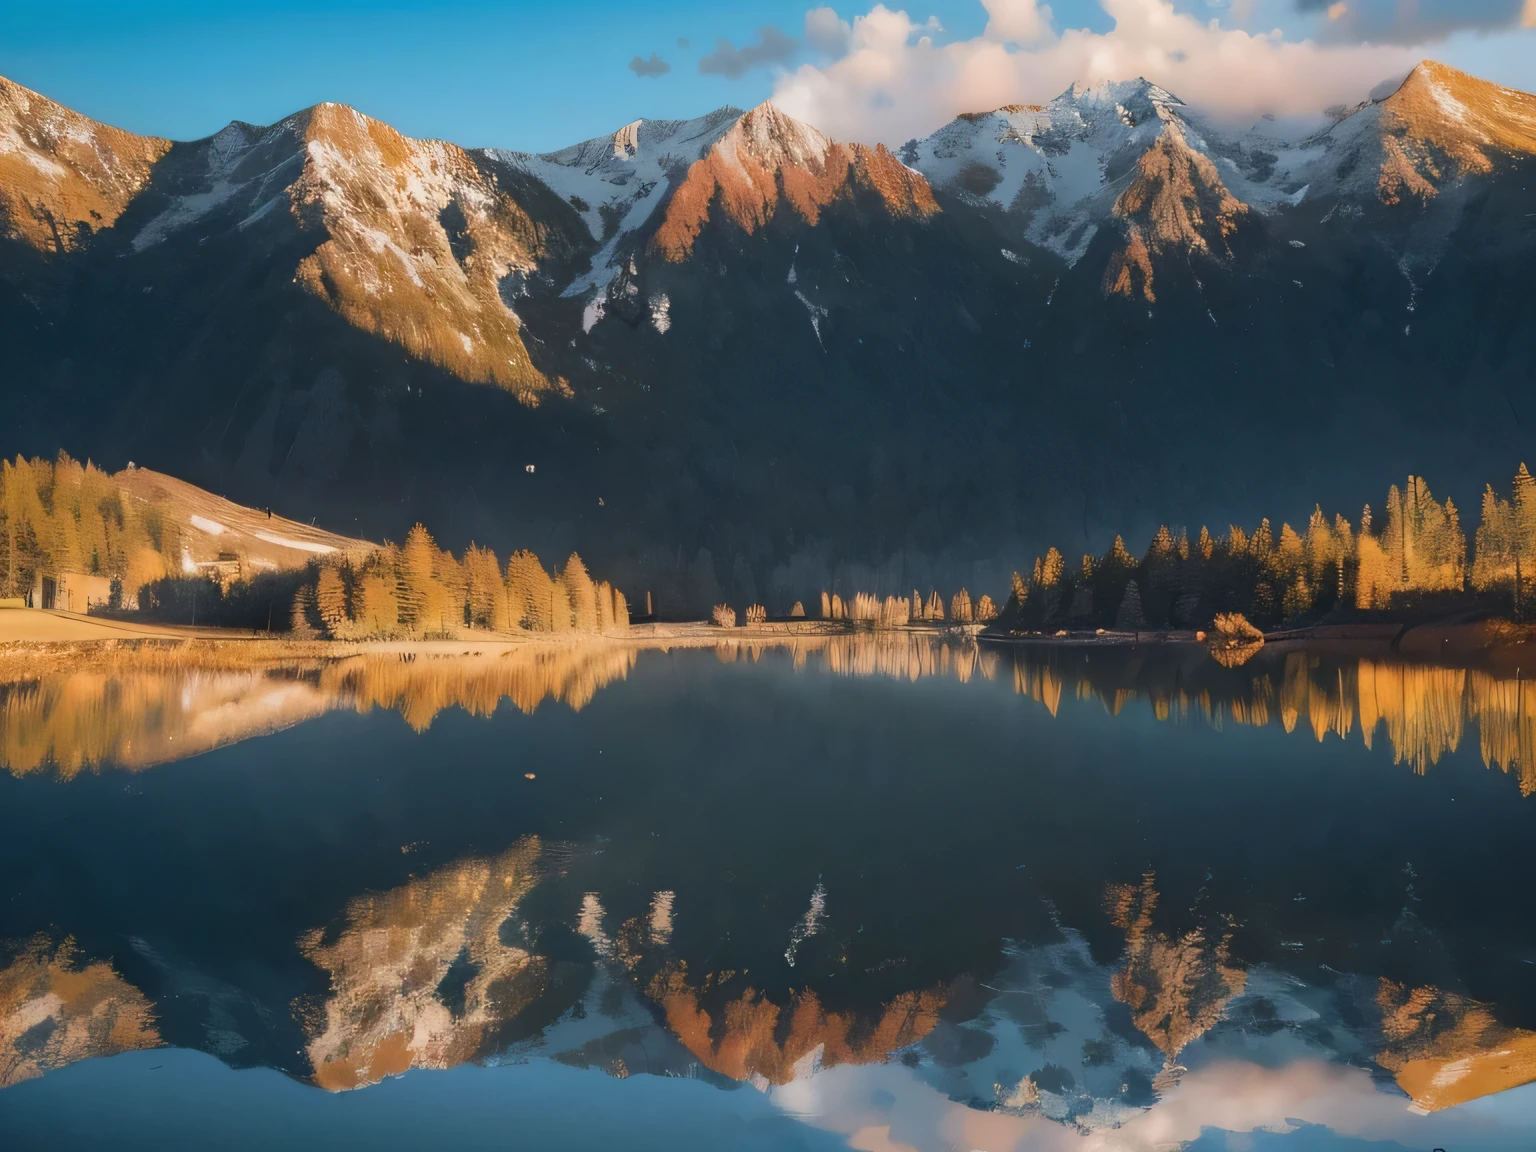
33 641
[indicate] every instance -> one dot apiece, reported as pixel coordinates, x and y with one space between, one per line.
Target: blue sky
540 75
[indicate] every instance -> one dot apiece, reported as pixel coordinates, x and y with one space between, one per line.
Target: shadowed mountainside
744 361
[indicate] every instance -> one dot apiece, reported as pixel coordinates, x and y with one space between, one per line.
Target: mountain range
732 358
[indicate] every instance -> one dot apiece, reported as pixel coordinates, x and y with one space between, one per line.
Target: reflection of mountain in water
55 1010
422 974
732 1028
1445 1049
752 1038
1423 708
138 717
1176 988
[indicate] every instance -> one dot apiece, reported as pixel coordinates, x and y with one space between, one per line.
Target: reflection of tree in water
1445 1049
1423 708
55 1010
888 654
138 718
422 687
421 976
1176 988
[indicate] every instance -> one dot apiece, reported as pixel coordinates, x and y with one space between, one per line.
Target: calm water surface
877 892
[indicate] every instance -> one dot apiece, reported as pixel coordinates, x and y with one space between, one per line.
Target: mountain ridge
742 358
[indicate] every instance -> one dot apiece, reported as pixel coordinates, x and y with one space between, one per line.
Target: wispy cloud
771 47
1397 22
653 67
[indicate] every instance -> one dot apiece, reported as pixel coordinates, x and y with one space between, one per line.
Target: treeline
897 611
64 516
419 590
1416 557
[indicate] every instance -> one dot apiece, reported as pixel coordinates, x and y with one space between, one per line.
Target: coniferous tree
1493 566
1129 618
1018 595
1052 584
301 621
331 600
528 593
485 589
1524 504
420 594
582 594
560 616
960 607
376 608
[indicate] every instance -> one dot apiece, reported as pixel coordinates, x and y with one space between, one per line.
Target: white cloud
827 32
891 81
1017 21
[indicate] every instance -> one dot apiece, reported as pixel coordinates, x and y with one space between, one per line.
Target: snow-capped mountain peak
767 158
616 181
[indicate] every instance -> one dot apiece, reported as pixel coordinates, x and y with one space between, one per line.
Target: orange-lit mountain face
429 246
768 158
1442 125
409 240
63 176
752 354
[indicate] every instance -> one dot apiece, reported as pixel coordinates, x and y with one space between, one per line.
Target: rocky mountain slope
745 360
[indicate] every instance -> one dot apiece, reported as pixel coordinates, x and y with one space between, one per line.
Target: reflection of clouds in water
1241 1097
1272 1084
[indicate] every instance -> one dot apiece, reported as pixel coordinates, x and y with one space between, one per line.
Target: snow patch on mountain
606 176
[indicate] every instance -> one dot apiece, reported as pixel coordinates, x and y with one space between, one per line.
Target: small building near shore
70 591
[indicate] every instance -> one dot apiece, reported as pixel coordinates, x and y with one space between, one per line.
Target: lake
880 891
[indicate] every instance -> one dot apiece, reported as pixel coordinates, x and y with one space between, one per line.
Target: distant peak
1121 92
